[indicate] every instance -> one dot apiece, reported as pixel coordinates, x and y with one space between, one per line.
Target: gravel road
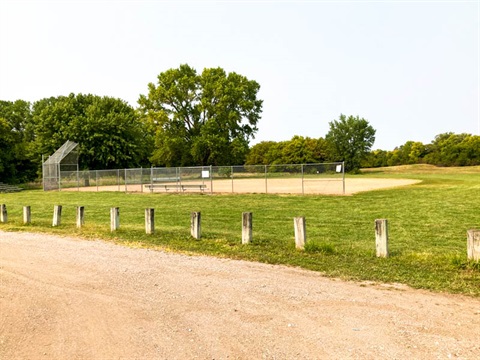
66 298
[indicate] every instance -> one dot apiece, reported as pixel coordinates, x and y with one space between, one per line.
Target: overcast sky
410 68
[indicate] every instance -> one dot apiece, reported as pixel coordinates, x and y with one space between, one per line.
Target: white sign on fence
339 168
205 174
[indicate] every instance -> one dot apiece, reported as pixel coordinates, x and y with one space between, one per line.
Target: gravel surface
66 298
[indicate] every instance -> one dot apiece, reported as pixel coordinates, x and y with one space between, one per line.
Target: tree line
188 118
447 149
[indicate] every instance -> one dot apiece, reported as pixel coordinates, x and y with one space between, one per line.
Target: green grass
427 226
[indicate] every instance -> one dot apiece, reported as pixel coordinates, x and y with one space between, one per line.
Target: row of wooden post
381 228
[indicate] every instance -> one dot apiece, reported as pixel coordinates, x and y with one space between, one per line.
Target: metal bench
166 179
177 187
5 188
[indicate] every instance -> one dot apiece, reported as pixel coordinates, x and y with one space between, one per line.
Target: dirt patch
271 186
64 298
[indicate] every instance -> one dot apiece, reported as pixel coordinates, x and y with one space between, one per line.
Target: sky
410 68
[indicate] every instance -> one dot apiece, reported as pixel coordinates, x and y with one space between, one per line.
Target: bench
5 188
177 187
166 179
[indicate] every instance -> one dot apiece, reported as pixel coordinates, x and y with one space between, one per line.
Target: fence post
27 215
80 216
114 218
149 221
300 232
246 227
473 245
195 227
3 213
57 215
381 237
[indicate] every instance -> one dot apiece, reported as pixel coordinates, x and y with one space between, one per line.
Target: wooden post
149 221
300 232
57 215
27 215
195 228
473 245
80 216
3 213
381 237
114 218
246 227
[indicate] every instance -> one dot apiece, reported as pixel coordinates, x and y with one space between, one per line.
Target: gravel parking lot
67 298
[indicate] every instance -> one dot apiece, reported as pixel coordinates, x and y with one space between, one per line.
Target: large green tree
201 119
109 133
15 137
351 139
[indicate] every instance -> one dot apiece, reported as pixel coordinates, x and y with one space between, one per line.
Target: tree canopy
187 118
15 162
201 119
109 133
298 150
351 139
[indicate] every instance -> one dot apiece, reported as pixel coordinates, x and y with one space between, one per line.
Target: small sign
205 174
339 168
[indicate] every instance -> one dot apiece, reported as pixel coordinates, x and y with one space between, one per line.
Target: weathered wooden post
300 232
246 227
114 218
149 221
381 237
80 216
3 213
57 215
27 215
195 228
473 245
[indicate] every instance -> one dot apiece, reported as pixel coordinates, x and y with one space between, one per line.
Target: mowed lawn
428 223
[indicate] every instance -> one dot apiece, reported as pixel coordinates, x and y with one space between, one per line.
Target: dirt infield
271 186
64 298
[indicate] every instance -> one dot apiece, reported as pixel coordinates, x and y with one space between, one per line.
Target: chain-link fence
326 178
64 162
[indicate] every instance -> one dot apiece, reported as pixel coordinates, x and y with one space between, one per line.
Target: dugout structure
65 159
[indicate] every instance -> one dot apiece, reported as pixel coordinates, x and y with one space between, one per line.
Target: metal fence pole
231 174
59 179
211 179
343 174
125 180
43 173
266 185
303 189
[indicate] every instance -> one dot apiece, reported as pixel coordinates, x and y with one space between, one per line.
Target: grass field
428 222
